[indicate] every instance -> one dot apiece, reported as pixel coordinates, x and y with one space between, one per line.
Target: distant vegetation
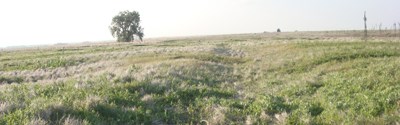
126 25
270 78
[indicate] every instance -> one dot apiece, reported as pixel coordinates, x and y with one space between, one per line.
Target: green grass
41 63
233 79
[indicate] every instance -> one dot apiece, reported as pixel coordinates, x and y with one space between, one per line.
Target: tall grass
290 78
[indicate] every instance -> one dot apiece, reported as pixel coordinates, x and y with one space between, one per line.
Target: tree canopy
126 25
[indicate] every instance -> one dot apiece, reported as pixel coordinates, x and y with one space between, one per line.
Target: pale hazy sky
32 22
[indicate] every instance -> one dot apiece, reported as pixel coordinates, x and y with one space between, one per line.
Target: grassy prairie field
263 78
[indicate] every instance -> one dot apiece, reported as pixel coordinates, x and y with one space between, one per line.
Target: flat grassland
268 78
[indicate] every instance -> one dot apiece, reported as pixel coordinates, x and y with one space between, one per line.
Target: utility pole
399 26
365 26
395 30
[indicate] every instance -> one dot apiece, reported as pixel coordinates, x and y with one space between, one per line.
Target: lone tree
126 25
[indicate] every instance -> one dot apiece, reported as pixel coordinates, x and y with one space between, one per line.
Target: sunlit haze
36 22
